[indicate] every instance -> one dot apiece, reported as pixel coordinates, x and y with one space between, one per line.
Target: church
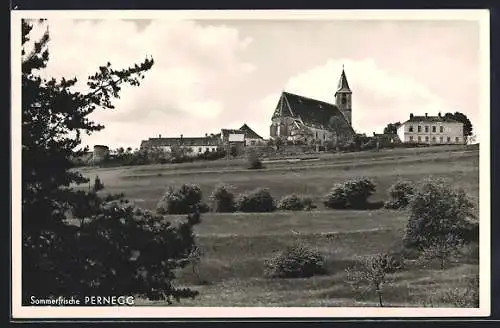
300 119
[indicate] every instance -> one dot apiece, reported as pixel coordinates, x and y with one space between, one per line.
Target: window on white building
448 139
426 128
419 129
426 139
441 129
440 139
433 139
457 139
419 139
433 129
411 138
410 128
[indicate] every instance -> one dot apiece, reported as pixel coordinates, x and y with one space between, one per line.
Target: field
236 245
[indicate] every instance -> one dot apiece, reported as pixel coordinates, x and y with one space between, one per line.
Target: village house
298 118
431 130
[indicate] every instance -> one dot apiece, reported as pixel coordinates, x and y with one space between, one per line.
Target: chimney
439 114
159 136
411 115
425 114
182 136
374 134
206 135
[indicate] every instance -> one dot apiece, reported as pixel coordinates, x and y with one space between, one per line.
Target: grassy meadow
235 245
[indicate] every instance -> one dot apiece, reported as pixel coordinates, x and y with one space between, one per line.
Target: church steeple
343 86
343 97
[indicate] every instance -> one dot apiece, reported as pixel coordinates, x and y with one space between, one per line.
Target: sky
213 74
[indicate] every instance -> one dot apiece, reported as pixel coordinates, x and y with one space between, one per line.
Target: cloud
194 65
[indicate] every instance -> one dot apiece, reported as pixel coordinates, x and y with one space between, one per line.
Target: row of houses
242 137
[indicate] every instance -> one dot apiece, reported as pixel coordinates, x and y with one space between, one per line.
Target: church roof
312 112
343 86
249 133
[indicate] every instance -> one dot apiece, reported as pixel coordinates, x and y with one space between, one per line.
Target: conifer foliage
75 242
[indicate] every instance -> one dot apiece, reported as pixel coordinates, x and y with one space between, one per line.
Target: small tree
442 249
223 199
372 274
437 210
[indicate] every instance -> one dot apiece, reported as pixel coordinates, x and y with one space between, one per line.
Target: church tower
343 97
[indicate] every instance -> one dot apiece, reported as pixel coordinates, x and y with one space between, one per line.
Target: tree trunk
380 298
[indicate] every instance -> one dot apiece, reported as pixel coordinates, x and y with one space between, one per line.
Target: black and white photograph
214 164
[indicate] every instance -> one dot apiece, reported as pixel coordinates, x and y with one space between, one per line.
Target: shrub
350 194
254 161
258 200
223 199
400 194
437 210
295 262
182 200
295 202
463 297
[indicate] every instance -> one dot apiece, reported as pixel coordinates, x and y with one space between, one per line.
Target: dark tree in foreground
75 242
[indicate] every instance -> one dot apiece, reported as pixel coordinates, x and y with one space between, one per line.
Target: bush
258 200
400 194
465 296
182 200
295 202
295 262
223 199
350 194
254 161
437 210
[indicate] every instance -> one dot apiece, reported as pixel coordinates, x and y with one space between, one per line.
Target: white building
431 130
192 146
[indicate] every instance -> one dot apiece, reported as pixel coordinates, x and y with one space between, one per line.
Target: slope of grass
236 245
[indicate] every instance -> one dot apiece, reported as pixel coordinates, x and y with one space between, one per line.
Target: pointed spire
343 85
